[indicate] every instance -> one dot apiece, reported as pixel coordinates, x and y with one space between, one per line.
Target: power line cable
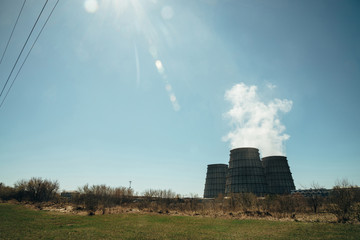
2 102
7 44
23 49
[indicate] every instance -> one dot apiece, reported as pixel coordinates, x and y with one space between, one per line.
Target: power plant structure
215 180
278 175
247 173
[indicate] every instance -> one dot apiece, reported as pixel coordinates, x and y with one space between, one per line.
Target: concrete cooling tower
245 173
278 175
215 180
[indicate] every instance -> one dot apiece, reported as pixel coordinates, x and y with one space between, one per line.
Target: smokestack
215 180
245 173
278 175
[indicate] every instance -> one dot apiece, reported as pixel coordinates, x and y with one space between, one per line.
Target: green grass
18 222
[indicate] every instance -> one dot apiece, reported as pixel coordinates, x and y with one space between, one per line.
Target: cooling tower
278 175
245 173
215 180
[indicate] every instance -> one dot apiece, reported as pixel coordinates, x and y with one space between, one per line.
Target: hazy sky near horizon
153 91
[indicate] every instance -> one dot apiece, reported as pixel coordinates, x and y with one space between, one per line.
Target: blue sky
125 90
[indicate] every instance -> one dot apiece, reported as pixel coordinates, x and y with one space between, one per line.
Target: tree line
343 200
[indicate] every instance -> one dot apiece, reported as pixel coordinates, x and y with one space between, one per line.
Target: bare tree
20 188
36 189
159 193
316 200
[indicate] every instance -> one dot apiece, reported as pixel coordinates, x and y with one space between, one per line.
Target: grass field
18 222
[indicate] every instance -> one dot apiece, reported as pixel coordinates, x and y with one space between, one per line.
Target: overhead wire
23 48
17 19
42 28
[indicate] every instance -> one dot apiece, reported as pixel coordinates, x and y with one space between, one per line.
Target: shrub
102 196
6 193
36 190
344 199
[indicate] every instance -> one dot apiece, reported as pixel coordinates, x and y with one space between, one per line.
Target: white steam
256 124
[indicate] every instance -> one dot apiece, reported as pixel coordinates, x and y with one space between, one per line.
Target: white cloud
256 124
271 86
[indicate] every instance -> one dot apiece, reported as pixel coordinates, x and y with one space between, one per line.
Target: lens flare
172 98
168 87
91 6
159 66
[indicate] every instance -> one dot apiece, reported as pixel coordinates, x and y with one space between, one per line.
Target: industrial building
247 173
321 192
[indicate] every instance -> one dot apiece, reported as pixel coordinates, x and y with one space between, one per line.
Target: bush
6 193
36 190
242 202
158 199
101 196
344 200
159 193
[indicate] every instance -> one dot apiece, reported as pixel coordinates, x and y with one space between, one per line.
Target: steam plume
256 124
